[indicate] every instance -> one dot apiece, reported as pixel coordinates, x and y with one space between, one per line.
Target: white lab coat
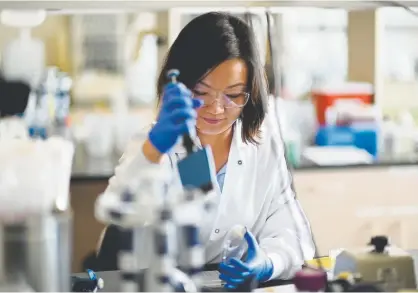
257 193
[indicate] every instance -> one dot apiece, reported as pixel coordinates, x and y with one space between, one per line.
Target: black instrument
90 284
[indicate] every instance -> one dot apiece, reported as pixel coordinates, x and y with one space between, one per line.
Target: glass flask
234 245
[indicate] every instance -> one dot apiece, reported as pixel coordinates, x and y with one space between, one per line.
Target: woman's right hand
176 115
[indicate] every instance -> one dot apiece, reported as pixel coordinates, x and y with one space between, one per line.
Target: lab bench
112 279
337 195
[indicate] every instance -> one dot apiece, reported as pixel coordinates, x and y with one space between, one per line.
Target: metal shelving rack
98 41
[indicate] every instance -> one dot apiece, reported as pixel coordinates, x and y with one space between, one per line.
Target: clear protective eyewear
233 99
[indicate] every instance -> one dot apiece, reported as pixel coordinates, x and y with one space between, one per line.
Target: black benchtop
111 280
87 168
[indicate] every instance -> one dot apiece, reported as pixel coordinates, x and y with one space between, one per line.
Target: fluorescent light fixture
89 11
22 18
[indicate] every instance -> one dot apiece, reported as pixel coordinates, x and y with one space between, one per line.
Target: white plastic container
234 245
24 59
100 135
34 192
142 73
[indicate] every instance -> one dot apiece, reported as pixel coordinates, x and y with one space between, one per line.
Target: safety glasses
233 99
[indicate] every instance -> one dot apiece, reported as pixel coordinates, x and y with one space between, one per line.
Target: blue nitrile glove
177 113
256 265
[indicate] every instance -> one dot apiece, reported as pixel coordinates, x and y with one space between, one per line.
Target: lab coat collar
237 143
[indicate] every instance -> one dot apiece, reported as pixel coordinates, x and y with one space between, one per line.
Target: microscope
158 231
35 217
147 212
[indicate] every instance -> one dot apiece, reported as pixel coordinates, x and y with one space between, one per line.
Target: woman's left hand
256 265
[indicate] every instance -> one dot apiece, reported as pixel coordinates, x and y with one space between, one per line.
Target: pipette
197 169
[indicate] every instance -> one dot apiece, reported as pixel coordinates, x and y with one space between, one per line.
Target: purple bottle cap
310 280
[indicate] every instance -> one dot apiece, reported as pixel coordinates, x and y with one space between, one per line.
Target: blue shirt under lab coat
220 177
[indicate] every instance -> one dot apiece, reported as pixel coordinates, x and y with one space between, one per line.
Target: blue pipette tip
92 275
172 74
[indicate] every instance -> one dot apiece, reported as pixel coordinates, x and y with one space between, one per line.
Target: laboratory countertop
87 168
112 279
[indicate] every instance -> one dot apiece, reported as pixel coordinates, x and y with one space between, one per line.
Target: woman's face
223 91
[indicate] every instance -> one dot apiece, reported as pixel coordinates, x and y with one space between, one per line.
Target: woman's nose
216 107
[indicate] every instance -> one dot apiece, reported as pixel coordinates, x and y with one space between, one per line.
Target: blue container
363 135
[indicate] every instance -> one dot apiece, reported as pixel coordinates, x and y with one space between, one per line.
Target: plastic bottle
60 125
142 73
24 58
62 98
293 143
30 109
234 245
293 147
406 133
39 126
389 130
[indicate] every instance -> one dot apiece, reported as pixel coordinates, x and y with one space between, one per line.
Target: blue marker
197 169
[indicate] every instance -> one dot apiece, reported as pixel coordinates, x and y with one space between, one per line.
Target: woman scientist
218 60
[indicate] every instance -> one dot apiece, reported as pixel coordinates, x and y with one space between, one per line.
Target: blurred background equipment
390 268
23 57
35 216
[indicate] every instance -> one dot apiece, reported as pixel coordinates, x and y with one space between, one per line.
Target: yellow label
345 275
326 262
51 106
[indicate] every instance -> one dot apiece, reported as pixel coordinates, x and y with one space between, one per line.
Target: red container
326 96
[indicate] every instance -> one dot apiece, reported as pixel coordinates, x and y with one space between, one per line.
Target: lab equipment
152 219
196 159
326 96
48 111
39 125
90 284
36 229
405 135
149 231
44 221
387 267
361 135
142 73
62 99
389 138
175 115
310 280
191 251
351 122
100 134
24 57
337 156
